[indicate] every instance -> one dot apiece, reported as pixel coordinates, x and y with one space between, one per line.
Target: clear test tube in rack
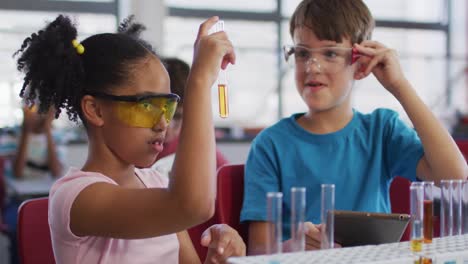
222 83
428 225
457 206
298 206
274 219
327 216
446 212
417 215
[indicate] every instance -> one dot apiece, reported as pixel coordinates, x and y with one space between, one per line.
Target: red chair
400 200
34 242
230 196
463 146
230 192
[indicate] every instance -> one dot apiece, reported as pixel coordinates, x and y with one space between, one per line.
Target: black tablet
363 228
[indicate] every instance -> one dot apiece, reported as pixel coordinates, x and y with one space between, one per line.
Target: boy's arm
442 159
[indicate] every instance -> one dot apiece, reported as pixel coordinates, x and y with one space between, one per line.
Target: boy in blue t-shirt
332 142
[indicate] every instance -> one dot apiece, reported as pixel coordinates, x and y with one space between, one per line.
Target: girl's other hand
211 53
222 242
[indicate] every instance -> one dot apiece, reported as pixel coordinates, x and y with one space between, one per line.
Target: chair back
34 242
230 197
463 146
400 200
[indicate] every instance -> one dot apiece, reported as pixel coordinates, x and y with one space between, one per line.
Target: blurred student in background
38 154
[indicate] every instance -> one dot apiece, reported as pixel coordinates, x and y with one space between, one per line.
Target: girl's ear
92 110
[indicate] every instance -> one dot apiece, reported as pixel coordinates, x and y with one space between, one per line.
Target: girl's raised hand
212 52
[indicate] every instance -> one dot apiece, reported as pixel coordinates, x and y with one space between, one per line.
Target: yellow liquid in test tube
223 100
416 245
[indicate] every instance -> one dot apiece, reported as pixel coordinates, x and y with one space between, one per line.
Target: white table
447 250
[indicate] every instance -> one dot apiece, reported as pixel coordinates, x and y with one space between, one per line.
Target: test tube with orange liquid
222 83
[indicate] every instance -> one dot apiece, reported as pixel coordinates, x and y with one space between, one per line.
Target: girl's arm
103 209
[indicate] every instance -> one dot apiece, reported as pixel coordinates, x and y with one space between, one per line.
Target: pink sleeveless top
69 248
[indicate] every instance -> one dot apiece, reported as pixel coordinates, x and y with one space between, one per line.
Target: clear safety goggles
326 60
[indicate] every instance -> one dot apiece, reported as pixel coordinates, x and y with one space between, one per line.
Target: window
251 82
15 26
231 5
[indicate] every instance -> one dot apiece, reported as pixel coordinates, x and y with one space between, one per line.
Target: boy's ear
92 110
358 69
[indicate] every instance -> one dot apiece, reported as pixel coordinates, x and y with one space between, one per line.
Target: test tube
223 95
222 83
428 226
327 216
446 212
298 205
457 186
274 215
465 207
417 215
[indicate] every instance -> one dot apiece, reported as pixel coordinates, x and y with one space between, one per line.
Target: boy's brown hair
178 73
334 19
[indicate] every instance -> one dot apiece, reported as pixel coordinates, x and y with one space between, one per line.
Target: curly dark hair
178 73
58 76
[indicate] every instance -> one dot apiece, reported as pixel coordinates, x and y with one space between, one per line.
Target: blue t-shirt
361 160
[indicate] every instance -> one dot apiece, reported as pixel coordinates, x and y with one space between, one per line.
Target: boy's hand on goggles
382 62
211 52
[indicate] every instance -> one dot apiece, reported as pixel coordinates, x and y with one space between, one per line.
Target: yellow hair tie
78 46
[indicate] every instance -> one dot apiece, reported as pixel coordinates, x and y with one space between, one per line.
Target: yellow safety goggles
142 110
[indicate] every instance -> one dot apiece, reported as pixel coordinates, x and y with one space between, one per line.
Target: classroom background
430 37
